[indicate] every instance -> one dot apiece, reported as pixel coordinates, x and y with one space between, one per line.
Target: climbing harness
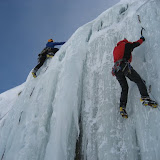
127 64
117 66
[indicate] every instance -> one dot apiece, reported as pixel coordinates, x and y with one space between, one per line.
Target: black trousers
44 56
41 61
133 76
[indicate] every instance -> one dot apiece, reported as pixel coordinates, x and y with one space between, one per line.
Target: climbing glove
142 38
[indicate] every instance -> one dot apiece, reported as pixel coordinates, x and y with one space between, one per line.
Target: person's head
50 40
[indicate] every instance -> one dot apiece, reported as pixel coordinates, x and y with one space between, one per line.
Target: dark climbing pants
43 56
41 61
133 76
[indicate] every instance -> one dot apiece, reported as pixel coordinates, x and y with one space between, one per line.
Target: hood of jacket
123 41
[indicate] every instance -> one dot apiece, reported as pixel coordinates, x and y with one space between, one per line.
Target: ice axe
141 26
142 31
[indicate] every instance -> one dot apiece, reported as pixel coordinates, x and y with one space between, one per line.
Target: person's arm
130 46
58 43
137 43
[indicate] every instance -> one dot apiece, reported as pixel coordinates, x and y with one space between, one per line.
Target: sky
25 27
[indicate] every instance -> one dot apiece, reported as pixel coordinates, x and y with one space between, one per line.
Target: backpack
118 51
118 54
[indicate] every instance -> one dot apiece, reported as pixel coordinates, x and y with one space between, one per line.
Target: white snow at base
8 98
40 118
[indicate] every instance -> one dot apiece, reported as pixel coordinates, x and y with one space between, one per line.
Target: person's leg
41 61
135 77
145 99
124 85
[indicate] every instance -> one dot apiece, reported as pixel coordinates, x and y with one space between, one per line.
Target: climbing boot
123 112
146 101
34 72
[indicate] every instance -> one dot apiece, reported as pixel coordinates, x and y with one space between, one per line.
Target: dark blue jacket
52 44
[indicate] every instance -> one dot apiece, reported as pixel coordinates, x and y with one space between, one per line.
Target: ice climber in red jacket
122 58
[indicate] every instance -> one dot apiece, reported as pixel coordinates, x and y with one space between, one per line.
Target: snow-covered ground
75 95
7 100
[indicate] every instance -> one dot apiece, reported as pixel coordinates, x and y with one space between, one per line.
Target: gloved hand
142 38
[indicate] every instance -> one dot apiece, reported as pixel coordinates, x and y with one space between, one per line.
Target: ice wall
105 134
76 97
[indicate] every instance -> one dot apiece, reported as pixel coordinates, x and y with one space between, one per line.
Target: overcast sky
26 25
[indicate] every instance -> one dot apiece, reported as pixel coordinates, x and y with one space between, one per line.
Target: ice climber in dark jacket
47 52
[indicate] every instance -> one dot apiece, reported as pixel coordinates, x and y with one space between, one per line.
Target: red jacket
124 49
